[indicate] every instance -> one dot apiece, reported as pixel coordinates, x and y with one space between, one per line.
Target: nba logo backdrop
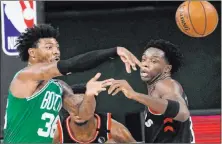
16 16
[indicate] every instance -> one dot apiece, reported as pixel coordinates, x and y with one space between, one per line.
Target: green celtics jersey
33 119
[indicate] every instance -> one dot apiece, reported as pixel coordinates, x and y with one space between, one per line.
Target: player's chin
145 79
80 121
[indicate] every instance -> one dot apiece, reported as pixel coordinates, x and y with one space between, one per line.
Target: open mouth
57 58
143 74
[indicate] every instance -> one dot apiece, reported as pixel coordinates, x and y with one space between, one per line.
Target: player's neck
84 132
31 62
163 76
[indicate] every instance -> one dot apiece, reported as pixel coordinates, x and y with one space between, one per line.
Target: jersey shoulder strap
105 127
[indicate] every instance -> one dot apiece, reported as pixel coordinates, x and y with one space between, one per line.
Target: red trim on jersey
153 112
74 139
168 128
59 127
109 124
170 120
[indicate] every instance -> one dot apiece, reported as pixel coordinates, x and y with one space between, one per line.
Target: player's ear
167 68
32 52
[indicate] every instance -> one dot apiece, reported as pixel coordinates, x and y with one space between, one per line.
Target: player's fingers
128 68
107 82
124 59
103 89
136 61
117 82
116 91
134 67
112 88
96 77
132 62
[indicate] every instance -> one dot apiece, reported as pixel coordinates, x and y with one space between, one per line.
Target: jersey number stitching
149 123
50 125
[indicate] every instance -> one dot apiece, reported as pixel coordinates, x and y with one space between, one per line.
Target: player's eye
154 61
48 47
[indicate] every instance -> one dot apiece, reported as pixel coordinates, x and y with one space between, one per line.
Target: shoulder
64 85
120 133
16 77
118 127
170 89
18 85
168 86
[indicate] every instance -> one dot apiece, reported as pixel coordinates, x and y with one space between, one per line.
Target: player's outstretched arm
84 104
89 60
79 63
169 101
119 133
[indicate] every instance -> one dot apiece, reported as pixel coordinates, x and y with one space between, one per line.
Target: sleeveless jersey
102 132
33 119
161 129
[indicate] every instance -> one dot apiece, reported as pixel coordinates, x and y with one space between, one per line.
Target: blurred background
87 26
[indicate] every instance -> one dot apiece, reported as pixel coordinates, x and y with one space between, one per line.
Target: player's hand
128 58
121 85
94 87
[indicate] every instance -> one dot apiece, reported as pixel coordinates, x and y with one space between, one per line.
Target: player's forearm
157 104
86 61
170 108
87 107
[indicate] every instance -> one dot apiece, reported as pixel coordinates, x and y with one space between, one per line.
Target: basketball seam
205 18
191 20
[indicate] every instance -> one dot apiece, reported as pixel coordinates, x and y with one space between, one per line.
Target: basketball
196 18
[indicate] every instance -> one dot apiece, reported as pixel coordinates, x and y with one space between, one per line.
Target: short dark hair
31 36
172 52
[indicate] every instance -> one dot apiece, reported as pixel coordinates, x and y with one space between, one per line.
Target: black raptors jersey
101 136
160 129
